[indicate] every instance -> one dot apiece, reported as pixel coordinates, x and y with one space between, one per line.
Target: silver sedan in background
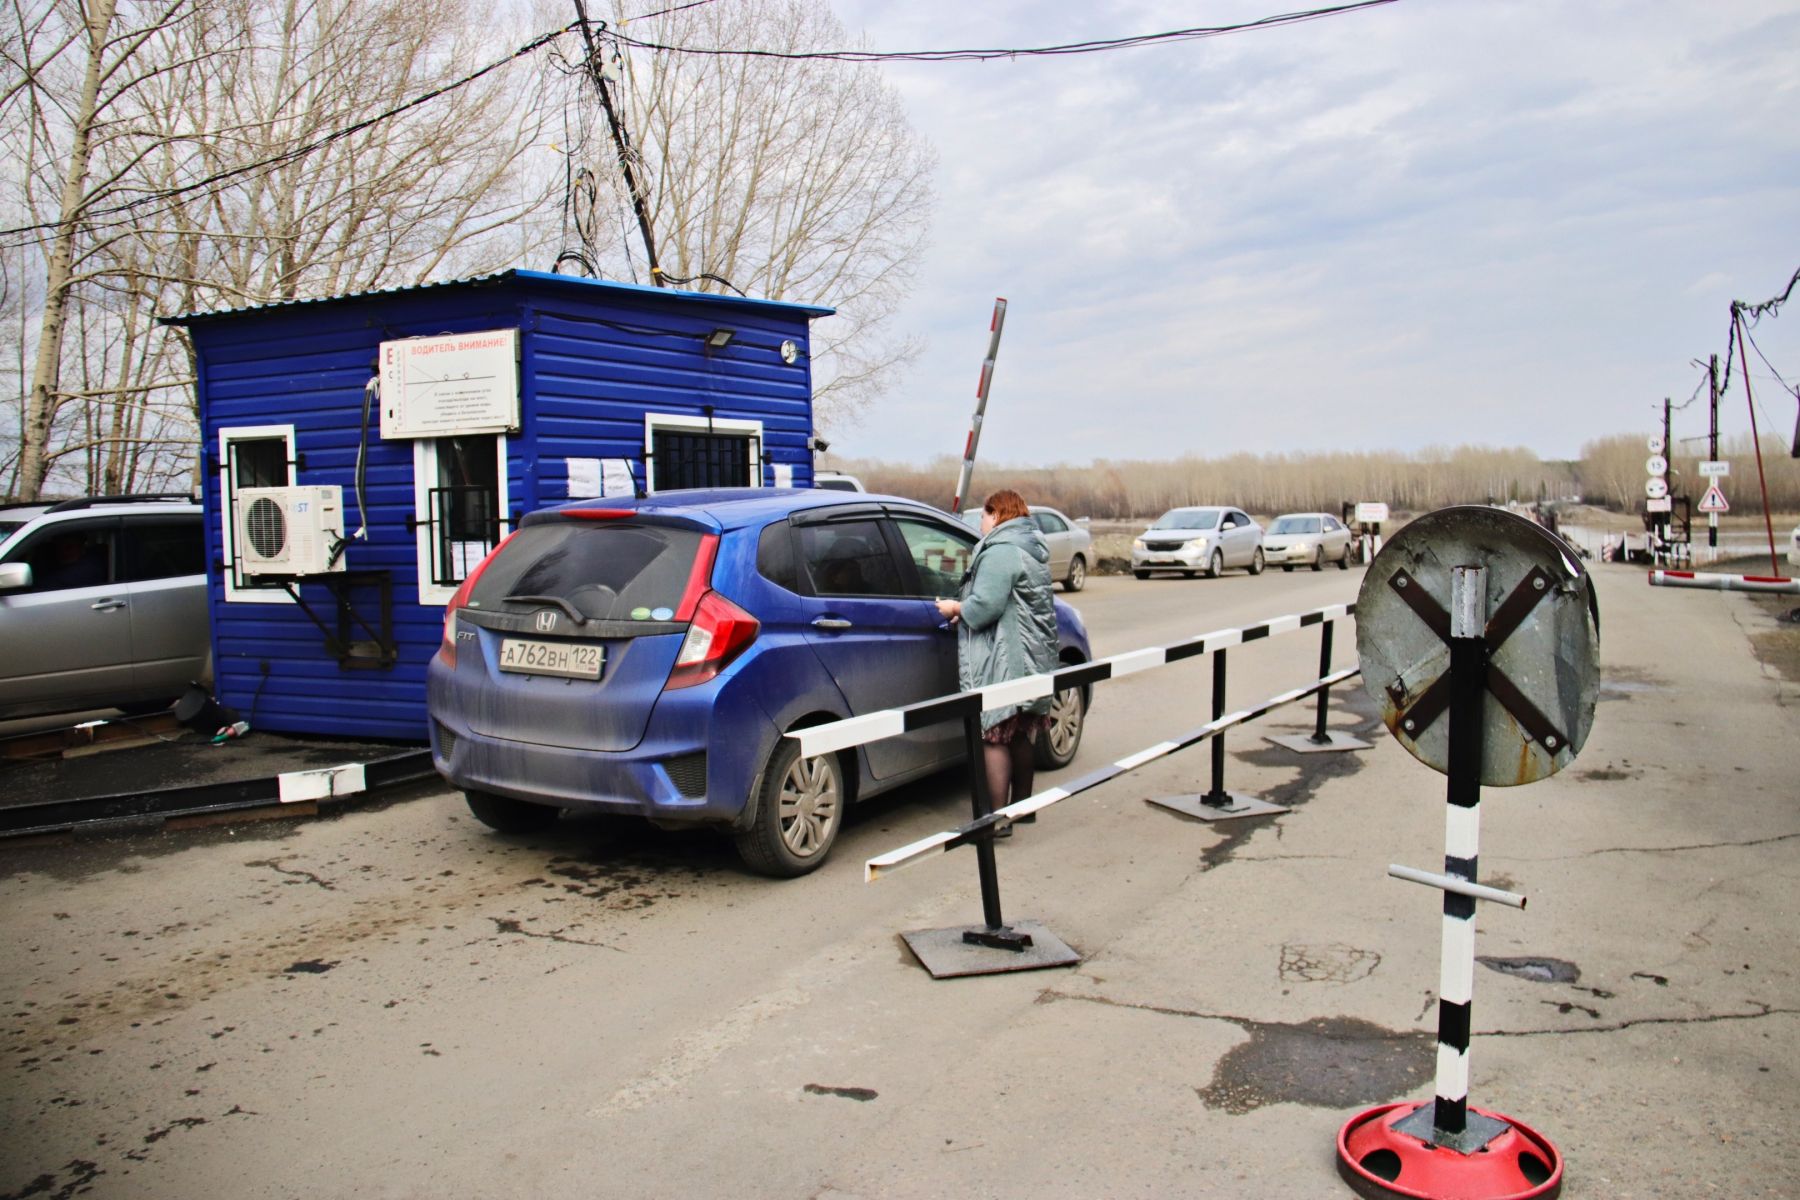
1071 545
1206 538
1307 540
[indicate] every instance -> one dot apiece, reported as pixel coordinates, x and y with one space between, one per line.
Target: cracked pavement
390 1001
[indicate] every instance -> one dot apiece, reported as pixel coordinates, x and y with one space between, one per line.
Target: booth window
250 456
702 452
460 508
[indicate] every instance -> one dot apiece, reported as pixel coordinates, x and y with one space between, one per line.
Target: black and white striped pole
1486 620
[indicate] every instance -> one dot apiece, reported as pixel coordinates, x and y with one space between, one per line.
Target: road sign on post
1713 501
1479 638
1715 468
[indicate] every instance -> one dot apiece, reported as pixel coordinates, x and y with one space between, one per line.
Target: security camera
820 444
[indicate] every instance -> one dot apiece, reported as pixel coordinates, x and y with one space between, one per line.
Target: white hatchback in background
1307 540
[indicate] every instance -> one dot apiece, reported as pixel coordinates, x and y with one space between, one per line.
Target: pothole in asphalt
1538 970
1328 1062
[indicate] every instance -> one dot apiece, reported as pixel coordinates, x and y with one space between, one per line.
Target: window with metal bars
691 459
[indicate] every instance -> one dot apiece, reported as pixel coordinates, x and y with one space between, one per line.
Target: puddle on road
1328 1062
1537 970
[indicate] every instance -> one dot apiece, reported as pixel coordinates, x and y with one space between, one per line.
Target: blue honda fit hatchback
648 656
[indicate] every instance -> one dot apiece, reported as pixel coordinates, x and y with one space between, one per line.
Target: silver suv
102 604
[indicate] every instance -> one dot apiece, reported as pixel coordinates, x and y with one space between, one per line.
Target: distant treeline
1610 472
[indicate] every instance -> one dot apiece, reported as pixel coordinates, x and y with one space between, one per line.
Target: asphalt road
394 1002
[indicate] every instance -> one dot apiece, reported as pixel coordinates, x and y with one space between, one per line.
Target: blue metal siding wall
308 368
585 388
592 382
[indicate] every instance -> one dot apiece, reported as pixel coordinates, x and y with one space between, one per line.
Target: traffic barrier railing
968 707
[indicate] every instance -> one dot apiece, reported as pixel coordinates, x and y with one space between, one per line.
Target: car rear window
608 571
1188 518
1296 525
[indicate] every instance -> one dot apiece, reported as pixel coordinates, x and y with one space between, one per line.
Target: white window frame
228 518
655 421
425 475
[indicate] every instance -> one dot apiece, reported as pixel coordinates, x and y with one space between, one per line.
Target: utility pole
595 72
1712 447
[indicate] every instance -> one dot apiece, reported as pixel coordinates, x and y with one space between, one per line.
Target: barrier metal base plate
1302 743
944 953
1238 805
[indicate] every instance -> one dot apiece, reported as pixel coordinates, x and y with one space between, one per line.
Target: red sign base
1379 1161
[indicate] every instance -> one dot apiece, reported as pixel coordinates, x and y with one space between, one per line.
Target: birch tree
793 179
71 66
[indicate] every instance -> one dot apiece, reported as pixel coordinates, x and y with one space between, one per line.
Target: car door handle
830 623
106 605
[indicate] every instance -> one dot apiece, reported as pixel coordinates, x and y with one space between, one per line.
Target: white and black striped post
1462 844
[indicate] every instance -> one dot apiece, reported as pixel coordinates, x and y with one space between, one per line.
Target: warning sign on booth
453 384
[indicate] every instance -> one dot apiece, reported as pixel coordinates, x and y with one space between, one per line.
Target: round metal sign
1542 630
1655 444
1656 464
1656 487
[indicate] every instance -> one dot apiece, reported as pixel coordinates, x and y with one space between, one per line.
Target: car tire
503 814
1344 559
1216 567
799 810
1288 568
1141 574
1056 746
1077 575
1189 574
1319 559
1257 562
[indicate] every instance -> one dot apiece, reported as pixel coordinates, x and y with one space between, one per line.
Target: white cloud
1513 222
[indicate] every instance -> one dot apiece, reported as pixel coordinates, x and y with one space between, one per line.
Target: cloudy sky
1510 222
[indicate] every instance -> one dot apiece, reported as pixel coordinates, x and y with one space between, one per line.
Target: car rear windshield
1295 525
607 571
1188 518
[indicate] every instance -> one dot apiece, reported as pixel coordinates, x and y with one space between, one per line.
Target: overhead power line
125 211
1089 47
220 179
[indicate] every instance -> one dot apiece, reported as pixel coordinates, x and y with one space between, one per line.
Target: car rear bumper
693 765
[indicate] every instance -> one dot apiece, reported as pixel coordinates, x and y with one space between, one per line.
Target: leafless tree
794 179
225 120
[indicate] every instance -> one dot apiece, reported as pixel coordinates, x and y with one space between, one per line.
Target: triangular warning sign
1713 501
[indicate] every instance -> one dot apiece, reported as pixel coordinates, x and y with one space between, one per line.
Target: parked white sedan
1307 540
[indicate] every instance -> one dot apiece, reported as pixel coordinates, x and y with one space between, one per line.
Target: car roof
736 508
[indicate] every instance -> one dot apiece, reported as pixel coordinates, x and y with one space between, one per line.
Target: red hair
1005 505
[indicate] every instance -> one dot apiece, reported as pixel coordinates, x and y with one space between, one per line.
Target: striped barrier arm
1725 583
892 722
950 839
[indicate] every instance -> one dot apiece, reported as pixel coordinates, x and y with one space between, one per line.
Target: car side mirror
14 576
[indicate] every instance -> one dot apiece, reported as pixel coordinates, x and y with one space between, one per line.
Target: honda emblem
546 621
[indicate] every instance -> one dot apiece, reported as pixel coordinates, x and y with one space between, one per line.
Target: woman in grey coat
1006 628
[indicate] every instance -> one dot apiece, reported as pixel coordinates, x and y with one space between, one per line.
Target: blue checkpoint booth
432 418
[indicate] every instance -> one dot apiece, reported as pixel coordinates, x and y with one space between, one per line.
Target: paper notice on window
466 556
584 478
784 475
454 384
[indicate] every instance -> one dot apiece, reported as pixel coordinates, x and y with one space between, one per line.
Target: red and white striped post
981 399
1779 584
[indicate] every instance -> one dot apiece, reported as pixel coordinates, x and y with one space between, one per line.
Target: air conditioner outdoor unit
288 530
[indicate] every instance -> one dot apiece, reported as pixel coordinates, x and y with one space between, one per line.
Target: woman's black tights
1010 768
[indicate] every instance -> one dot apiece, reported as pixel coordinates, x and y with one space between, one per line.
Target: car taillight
447 648
718 633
